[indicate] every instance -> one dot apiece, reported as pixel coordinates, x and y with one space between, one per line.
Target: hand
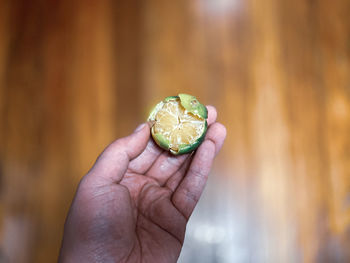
134 203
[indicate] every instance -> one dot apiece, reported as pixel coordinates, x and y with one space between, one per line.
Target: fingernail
140 127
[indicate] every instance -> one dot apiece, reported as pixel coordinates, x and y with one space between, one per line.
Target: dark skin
135 202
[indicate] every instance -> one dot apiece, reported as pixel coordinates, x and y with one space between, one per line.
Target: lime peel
191 104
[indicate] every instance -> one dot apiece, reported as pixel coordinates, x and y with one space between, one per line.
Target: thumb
114 160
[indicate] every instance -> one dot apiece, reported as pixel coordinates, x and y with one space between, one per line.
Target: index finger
190 189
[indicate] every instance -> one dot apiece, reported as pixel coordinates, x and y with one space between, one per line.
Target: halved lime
179 123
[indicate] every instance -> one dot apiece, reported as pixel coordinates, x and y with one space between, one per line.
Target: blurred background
75 75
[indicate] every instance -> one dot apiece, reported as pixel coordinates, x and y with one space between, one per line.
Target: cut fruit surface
179 123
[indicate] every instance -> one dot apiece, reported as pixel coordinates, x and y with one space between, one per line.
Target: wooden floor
75 75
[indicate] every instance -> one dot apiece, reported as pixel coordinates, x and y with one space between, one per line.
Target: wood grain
76 75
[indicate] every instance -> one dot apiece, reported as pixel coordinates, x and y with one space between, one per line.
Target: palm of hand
137 211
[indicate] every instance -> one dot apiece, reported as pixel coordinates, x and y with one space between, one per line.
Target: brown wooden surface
75 75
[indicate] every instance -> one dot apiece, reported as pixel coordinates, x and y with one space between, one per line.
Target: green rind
187 148
170 98
161 141
154 111
191 104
